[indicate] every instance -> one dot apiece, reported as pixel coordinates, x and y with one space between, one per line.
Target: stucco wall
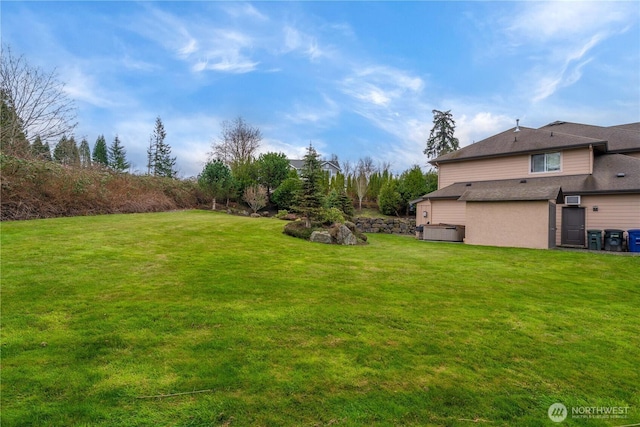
514 224
573 162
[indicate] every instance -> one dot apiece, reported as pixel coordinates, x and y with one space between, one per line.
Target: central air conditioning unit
572 200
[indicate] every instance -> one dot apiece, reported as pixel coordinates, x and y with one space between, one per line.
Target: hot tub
443 232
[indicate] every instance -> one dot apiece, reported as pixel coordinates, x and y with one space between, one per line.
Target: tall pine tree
100 152
309 200
159 160
118 156
442 139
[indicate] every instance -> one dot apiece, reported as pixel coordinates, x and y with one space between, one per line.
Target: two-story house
539 188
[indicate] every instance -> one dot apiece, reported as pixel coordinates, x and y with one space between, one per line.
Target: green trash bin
594 237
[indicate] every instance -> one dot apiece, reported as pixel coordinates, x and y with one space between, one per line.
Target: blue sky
353 78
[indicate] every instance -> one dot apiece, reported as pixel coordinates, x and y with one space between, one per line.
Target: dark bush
298 229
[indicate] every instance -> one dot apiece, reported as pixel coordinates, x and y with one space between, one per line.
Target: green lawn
98 312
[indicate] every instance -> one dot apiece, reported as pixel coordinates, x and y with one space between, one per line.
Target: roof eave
515 153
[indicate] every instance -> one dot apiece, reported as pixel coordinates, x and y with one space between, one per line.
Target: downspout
438 167
590 159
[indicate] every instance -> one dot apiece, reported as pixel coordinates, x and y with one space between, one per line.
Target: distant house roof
554 136
299 164
612 173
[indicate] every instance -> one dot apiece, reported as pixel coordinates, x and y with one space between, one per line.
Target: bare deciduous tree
38 99
239 142
346 168
256 197
364 169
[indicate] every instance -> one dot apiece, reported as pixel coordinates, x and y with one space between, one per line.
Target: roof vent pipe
620 175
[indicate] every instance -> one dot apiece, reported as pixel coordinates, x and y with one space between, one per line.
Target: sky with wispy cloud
353 78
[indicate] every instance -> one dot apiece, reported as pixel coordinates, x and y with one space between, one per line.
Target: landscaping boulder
344 236
321 237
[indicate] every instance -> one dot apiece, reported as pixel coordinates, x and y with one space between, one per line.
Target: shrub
298 229
331 215
285 194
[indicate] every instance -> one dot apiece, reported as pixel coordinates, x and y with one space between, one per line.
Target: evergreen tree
13 139
389 200
273 168
285 195
442 139
215 179
309 200
412 184
100 152
159 160
118 156
84 153
39 150
66 152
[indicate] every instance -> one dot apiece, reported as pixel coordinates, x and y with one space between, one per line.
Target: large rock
344 236
321 237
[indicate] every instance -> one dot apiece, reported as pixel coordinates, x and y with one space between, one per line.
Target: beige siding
447 212
573 162
513 224
636 155
421 209
616 211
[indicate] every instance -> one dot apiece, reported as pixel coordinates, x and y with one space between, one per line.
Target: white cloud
548 82
316 113
380 86
239 10
555 41
235 65
542 22
295 40
82 87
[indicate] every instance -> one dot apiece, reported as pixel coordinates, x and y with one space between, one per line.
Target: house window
547 162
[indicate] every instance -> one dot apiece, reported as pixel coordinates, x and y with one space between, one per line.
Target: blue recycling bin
634 240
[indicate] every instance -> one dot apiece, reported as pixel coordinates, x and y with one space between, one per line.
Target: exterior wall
421 208
440 212
573 162
513 224
447 212
617 211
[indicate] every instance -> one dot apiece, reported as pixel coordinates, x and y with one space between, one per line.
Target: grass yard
99 313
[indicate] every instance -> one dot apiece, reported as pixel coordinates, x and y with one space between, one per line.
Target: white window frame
531 171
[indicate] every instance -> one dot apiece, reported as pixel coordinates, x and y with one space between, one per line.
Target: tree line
235 172
36 112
